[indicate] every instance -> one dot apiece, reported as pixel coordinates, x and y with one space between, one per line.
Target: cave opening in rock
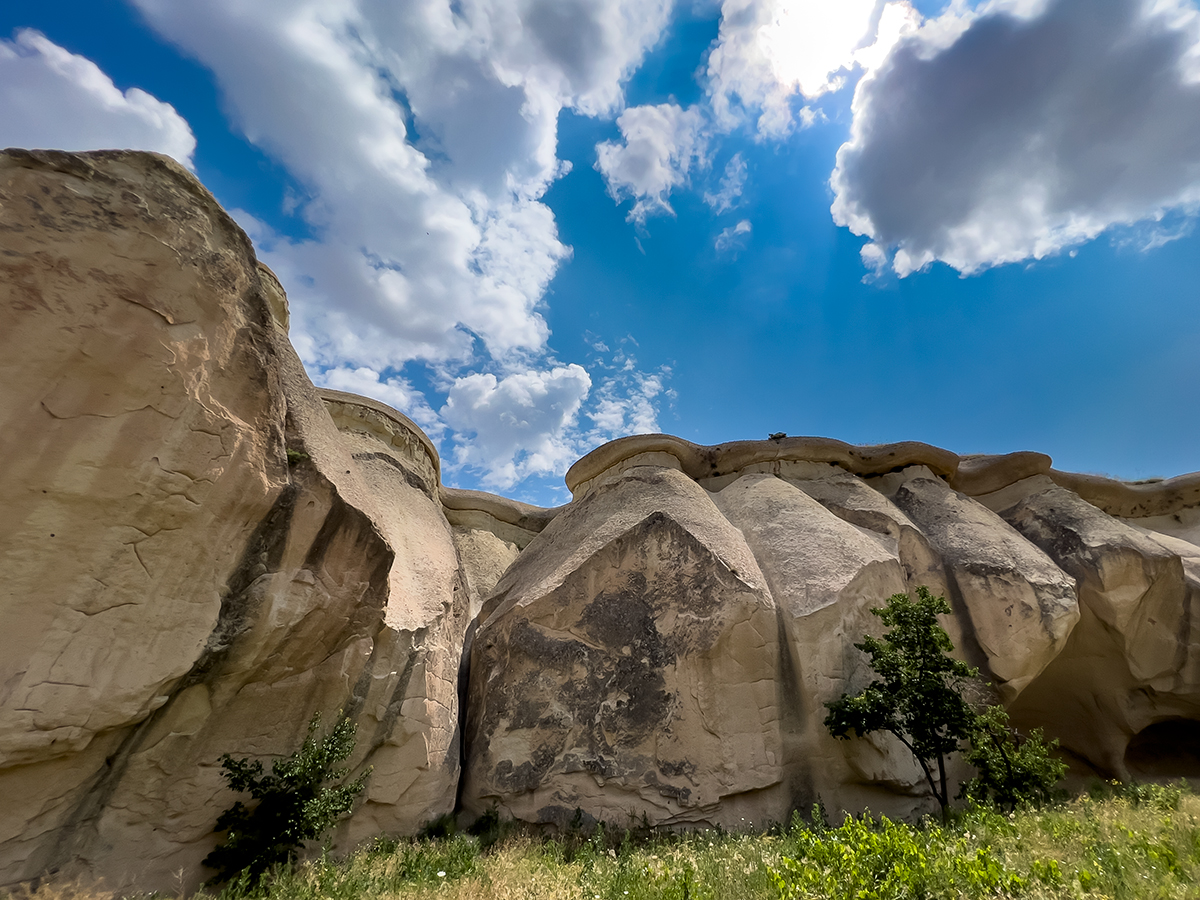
1164 750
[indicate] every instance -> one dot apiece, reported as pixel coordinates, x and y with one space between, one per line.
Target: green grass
1115 842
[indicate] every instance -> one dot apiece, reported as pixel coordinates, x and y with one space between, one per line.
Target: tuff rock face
201 549
177 588
1082 620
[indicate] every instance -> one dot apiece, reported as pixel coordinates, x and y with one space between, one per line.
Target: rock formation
202 549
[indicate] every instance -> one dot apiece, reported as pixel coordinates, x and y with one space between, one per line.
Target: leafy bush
294 804
1014 769
919 699
1163 797
918 696
868 860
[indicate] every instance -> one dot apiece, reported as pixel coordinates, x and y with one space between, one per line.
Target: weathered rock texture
201 550
175 587
1080 615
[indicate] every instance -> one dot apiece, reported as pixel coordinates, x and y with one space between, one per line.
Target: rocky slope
202 549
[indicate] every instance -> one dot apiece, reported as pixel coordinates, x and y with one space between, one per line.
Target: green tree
1014 769
295 804
918 694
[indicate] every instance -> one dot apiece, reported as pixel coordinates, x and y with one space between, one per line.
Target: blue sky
538 226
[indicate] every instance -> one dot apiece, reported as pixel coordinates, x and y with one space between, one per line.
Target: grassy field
1117 842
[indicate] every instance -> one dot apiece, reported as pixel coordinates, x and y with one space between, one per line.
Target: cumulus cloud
733 182
769 57
516 426
537 422
89 112
422 175
1023 128
661 145
771 53
425 168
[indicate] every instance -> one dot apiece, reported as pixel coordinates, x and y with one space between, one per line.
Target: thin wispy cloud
733 182
732 237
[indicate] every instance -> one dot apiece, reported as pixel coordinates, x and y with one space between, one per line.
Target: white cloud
1021 129
516 426
626 403
769 55
434 142
732 236
770 52
51 98
537 422
661 146
424 135
733 182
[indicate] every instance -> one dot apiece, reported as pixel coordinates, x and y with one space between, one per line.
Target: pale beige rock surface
1021 606
628 664
178 585
129 439
1134 658
175 589
825 575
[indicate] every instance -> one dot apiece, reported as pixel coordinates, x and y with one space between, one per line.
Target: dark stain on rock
529 641
676 792
592 686
528 713
679 768
526 776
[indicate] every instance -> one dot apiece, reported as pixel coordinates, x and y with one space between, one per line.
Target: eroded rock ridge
202 549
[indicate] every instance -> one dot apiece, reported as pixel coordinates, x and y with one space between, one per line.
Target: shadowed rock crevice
1164 750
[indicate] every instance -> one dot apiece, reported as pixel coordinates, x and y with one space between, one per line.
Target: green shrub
294 804
1013 769
918 695
865 859
1164 797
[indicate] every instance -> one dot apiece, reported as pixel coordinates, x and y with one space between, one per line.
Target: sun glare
809 41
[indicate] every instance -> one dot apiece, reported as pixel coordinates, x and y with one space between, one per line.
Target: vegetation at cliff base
296 803
918 697
1119 842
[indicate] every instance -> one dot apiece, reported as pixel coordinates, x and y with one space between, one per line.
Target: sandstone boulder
132 327
1132 660
628 664
826 575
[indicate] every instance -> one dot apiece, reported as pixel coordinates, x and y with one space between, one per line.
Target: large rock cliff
201 550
